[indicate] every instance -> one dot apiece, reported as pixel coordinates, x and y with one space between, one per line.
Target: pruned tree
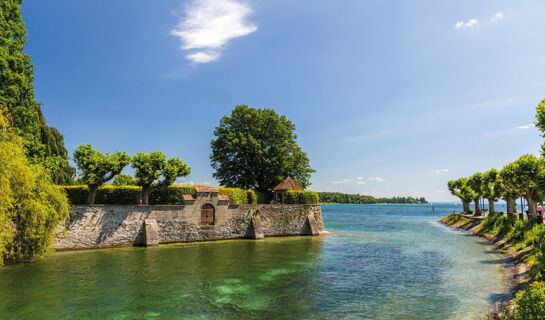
152 169
540 123
460 189
510 193
475 182
492 187
124 180
97 168
526 174
257 149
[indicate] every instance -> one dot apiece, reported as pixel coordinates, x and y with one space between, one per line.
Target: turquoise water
385 262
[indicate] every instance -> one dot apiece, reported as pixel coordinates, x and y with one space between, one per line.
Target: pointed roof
287 184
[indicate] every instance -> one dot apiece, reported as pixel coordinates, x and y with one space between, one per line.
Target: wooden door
207 214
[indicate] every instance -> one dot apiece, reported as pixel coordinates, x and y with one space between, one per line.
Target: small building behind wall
282 188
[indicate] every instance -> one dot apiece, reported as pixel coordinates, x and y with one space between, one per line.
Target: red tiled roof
287 184
206 189
188 197
223 198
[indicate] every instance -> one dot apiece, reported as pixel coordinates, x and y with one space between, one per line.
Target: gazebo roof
287 184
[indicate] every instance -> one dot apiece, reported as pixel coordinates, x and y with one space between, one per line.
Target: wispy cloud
497 17
526 126
472 23
510 130
438 172
206 26
376 179
360 180
343 181
466 24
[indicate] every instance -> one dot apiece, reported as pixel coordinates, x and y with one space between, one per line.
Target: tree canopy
97 168
257 149
124 180
492 187
150 167
461 189
44 145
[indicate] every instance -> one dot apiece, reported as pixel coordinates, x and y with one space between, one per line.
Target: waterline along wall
208 216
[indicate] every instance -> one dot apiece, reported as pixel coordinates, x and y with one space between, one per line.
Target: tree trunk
532 212
145 195
466 208
511 206
491 206
92 193
477 208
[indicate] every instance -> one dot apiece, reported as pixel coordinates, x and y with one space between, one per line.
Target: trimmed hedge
170 195
302 197
165 195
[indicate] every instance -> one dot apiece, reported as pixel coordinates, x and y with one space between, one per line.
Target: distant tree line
337 197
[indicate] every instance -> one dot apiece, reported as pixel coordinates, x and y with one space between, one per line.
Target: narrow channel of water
385 262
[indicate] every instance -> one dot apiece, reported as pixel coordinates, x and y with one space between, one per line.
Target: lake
384 262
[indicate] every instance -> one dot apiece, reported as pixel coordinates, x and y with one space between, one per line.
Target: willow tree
153 169
97 168
475 182
31 206
460 189
526 174
492 187
44 145
257 149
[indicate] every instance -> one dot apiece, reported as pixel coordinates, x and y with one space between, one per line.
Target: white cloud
360 182
205 183
467 24
527 126
498 16
438 171
360 178
377 179
343 181
207 26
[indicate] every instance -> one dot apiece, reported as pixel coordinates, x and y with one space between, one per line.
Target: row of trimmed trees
525 177
151 169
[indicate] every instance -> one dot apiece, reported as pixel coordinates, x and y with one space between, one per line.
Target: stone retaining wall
110 226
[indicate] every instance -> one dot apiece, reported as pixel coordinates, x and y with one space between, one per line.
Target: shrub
117 195
236 195
530 303
170 195
302 197
497 223
76 194
263 197
518 232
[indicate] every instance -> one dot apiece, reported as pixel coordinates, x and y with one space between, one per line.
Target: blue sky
388 97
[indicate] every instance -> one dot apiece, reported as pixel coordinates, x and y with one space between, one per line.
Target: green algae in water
385 262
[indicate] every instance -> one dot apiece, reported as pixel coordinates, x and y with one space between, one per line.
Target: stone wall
110 226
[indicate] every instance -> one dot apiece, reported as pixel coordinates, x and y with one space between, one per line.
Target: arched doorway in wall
207 214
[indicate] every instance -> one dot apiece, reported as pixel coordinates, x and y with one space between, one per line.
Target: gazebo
282 187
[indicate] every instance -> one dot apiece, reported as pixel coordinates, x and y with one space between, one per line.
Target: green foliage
475 182
170 195
519 230
31 206
302 197
498 224
492 185
263 197
527 173
124 180
460 188
536 259
256 149
43 145
540 124
151 166
337 197
97 168
529 304
236 195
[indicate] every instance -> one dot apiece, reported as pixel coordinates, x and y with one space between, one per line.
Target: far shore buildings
282 188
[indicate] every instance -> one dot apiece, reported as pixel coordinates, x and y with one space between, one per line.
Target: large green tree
154 169
492 187
31 206
540 123
475 182
460 189
44 145
526 174
124 180
97 168
256 149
